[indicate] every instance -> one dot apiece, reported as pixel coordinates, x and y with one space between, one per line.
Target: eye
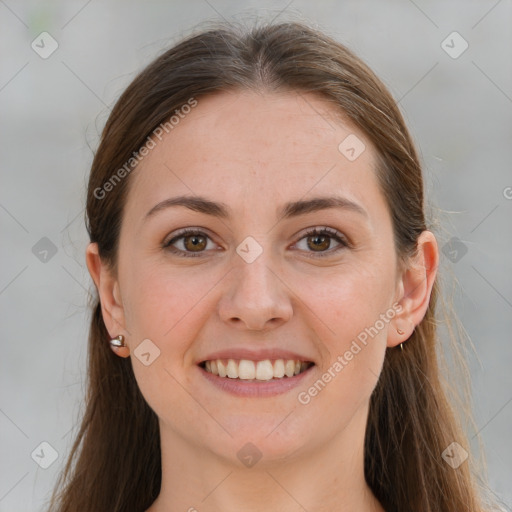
192 241
320 239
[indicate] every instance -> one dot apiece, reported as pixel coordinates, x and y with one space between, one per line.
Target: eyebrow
291 209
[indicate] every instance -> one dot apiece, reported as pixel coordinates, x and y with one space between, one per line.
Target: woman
264 336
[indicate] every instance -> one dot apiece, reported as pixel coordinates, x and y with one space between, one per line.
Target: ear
108 291
414 288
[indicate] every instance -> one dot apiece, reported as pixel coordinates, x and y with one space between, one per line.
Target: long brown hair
114 464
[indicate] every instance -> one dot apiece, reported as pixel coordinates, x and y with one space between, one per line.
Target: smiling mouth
245 369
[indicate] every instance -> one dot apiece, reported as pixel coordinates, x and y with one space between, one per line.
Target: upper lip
255 355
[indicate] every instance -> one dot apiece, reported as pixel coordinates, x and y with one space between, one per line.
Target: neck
325 478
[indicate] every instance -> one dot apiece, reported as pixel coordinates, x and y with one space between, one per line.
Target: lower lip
256 389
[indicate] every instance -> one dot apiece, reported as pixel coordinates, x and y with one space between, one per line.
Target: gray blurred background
55 90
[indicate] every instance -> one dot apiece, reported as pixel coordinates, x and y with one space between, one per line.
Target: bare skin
254 152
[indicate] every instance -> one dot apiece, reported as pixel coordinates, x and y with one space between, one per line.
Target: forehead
252 148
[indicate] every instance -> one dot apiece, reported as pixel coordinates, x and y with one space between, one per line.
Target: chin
261 440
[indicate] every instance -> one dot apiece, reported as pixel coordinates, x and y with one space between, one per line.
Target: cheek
353 321
159 301
167 309
351 299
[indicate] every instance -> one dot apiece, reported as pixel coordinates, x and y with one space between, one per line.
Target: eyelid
343 241
183 233
320 229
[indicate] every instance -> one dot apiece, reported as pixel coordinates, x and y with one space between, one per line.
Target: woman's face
253 284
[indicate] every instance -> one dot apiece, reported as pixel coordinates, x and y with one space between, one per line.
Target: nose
256 296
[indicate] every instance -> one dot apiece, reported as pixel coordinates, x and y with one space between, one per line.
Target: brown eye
194 242
187 243
320 240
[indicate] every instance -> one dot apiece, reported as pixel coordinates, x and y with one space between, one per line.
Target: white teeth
279 368
232 370
264 370
221 368
246 369
289 368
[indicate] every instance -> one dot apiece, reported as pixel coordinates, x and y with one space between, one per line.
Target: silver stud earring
119 347
118 341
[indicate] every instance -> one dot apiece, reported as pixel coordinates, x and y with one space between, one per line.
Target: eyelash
313 232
